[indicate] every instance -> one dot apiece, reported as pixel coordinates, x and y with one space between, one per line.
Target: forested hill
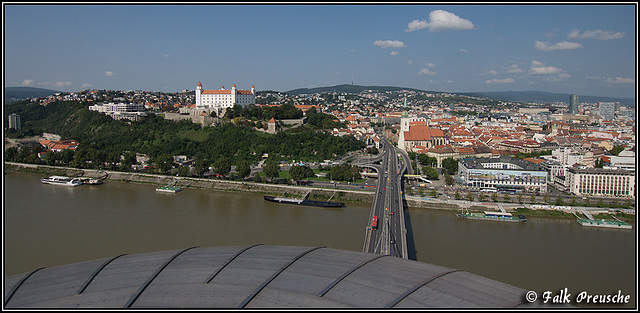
19 93
103 139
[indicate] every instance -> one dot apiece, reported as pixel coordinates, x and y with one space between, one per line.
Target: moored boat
492 216
304 202
62 181
171 188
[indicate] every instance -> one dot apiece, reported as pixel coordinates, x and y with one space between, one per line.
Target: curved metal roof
259 276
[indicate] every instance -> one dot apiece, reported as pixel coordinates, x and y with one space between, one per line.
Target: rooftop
258 276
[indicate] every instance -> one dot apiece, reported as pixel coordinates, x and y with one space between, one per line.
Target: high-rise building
573 104
607 110
14 121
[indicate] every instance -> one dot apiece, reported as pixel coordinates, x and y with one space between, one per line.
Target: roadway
389 237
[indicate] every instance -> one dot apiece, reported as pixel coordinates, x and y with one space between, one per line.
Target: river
46 225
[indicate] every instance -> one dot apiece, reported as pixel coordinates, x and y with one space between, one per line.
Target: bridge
386 233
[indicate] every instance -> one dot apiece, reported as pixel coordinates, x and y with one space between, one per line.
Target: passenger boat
492 216
62 181
304 202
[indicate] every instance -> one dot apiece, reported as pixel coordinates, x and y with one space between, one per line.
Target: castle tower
198 93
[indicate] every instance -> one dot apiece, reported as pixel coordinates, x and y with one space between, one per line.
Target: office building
14 121
607 110
573 104
503 173
601 182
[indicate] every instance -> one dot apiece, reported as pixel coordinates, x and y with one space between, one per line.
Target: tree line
105 143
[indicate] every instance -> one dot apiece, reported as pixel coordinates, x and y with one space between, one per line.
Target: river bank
315 193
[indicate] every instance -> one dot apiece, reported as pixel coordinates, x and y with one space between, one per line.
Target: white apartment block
215 100
601 182
117 111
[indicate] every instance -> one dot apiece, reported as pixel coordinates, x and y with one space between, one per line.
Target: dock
589 221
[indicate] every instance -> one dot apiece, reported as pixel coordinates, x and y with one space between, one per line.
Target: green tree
450 165
164 163
520 199
433 193
533 198
494 197
300 172
617 149
222 166
559 201
430 172
448 180
457 196
271 170
243 169
470 196
481 197
546 198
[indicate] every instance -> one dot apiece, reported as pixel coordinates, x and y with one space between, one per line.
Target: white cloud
500 81
620 80
62 84
108 73
493 72
426 71
389 44
166 56
85 85
394 53
564 45
440 20
514 69
416 25
596 34
538 68
431 65
27 82
464 51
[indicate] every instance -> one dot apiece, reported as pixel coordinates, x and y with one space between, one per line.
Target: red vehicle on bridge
374 223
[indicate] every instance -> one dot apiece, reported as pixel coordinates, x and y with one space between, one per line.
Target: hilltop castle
219 100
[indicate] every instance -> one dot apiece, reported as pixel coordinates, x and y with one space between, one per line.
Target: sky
577 49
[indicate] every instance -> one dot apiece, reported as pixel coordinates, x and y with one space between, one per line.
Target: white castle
215 100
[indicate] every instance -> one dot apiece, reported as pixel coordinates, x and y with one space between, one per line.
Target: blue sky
582 49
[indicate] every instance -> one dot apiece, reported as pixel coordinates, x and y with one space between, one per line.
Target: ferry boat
62 181
603 223
492 216
171 188
589 221
304 202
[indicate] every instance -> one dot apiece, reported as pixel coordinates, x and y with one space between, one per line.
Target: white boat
62 181
172 188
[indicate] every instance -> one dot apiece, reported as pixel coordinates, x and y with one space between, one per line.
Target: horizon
568 49
451 92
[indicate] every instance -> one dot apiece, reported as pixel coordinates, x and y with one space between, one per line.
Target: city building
625 160
59 145
14 121
503 173
573 104
221 99
601 182
607 110
118 111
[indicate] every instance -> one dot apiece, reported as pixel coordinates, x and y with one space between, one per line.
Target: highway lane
390 236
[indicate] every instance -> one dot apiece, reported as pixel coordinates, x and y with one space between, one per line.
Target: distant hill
544 97
20 93
515 96
348 89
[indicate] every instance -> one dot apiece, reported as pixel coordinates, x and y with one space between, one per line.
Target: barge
493 216
304 202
